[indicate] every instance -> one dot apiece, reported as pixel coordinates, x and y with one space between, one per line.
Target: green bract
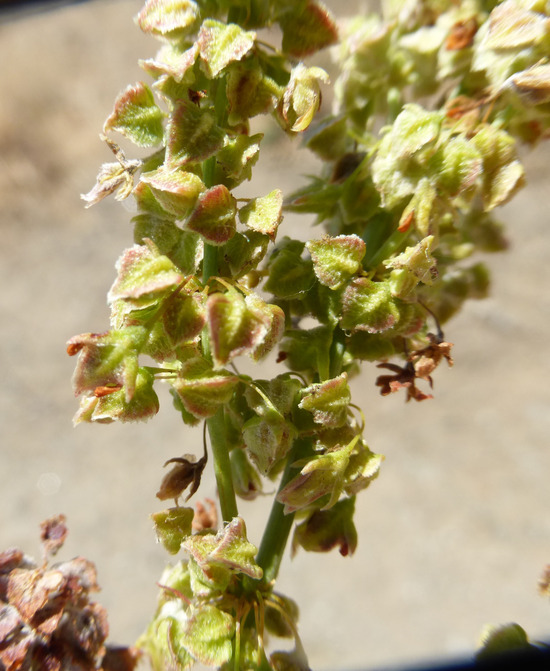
169 18
176 191
137 116
220 45
336 260
328 401
172 526
201 389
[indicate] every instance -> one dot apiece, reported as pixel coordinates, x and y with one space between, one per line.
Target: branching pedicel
209 279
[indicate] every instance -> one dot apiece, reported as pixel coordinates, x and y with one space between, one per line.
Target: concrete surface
456 531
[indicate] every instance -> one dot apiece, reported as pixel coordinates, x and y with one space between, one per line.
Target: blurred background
456 531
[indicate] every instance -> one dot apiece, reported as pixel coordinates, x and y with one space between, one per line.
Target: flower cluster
407 202
213 608
47 620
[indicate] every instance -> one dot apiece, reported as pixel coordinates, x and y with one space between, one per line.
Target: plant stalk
222 466
209 262
337 350
216 424
277 530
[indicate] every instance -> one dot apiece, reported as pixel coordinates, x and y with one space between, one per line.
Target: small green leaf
404 152
107 361
172 526
177 191
324 530
363 468
229 550
422 208
202 390
147 203
184 318
221 44
162 641
392 179
199 547
419 266
370 346
160 345
186 252
168 18
143 274
173 61
368 306
214 215
289 274
192 134
274 320
207 635
281 394
137 117
322 475
234 327
235 160
307 30
360 199
264 214
308 349
318 196
503 173
207 577
234 550
514 27
336 259
267 441
186 416
458 165
249 91
413 130
143 404
328 401
177 577
244 252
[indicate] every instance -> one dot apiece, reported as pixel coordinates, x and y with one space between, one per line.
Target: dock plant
432 99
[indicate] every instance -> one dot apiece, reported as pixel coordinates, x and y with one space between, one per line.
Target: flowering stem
209 263
215 424
337 350
278 525
222 466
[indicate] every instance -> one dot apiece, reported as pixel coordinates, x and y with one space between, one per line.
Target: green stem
396 240
222 466
216 424
209 262
208 170
277 530
337 350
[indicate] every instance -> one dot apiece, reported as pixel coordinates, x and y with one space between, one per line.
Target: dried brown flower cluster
420 365
47 621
